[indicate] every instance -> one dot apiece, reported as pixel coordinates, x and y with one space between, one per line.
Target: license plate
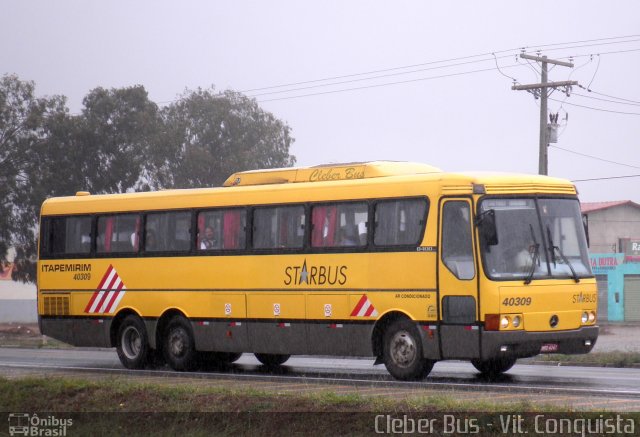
549 347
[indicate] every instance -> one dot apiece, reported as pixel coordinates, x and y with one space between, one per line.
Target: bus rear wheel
272 360
132 343
402 352
493 367
179 345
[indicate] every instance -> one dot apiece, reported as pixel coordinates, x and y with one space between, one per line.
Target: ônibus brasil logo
108 295
34 425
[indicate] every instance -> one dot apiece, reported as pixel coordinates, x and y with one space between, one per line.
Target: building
612 225
614 244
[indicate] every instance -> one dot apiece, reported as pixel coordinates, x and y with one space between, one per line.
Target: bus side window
168 231
234 229
457 246
323 226
399 222
222 229
79 229
115 233
67 236
278 227
339 225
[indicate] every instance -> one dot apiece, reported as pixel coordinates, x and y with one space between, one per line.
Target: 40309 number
516 301
82 276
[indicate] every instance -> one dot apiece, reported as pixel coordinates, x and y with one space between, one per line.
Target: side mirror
486 223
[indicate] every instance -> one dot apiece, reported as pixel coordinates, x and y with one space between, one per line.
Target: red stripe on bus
95 294
106 292
113 298
359 305
370 310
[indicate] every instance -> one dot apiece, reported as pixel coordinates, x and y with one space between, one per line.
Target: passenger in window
208 242
348 237
362 233
134 240
150 242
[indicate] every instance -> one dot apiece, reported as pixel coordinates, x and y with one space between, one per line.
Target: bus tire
179 346
272 360
402 351
132 343
493 367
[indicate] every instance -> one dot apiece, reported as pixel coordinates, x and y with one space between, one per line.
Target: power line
607 95
595 72
586 45
584 55
387 84
607 178
453 60
593 157
373 77
589 40
570 44
397 74
605 100
344 76
595 109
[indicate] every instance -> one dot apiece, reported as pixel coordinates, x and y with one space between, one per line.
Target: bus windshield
536 239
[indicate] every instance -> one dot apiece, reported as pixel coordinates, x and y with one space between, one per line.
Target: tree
22 129
210 135
117 132
120 142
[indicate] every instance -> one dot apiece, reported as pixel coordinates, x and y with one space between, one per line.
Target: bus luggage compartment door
277 323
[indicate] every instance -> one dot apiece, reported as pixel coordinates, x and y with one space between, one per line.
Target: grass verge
117 395
596 359
114 406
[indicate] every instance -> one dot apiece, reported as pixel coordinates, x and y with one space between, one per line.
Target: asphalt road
606 388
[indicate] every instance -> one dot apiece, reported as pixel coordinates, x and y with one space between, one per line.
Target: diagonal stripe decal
108 295
364 308
95 295
359 305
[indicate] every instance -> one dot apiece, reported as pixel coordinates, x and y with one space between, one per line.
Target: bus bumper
522 344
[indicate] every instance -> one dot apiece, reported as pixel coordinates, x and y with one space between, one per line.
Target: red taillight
492 322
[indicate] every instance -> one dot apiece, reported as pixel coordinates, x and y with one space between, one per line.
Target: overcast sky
464 121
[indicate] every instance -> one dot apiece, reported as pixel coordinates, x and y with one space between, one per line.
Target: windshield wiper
553 249
535 256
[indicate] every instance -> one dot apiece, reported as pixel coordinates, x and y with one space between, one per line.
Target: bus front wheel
402 352
493 367
179 345
132 343
272 360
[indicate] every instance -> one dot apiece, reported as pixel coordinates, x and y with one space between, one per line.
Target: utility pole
542 87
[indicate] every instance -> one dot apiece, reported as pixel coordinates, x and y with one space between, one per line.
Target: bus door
457 282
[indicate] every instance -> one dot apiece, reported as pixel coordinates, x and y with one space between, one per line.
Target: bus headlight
592 316
504 322
516 321
585 317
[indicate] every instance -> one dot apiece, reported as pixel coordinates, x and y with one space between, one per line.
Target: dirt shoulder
26 335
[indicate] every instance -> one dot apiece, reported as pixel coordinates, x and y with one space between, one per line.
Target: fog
451 116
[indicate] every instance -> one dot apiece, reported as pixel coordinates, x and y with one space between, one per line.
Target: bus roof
329 172
360 180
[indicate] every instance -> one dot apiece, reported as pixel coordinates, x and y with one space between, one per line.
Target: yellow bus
393 260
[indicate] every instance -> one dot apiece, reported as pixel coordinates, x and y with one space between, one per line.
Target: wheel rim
131 342
403 349
178 342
